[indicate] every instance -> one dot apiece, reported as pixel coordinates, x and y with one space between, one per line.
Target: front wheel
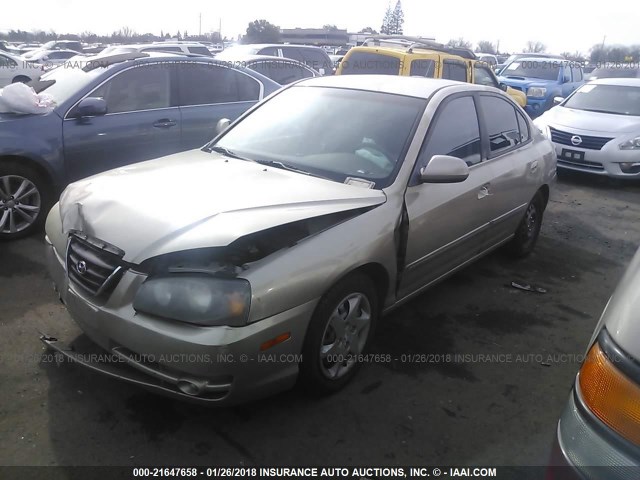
339 334
24 201
528 231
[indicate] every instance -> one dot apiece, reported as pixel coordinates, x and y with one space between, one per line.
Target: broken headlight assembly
197 299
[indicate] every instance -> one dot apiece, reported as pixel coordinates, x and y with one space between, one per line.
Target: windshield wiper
291 168
601 111
226 152
283 166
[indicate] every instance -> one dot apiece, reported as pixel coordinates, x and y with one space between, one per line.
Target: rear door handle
484 191
165 123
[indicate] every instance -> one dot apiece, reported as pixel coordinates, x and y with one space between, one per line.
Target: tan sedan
224 274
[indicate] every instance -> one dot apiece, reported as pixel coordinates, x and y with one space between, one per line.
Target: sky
561 26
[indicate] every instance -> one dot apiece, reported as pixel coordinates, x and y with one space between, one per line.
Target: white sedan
597 128
16 69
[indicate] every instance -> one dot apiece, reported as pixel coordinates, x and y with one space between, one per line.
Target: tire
528 231
25 199
21 79
320 373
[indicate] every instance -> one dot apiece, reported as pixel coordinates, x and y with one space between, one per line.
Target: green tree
369 30
261 31
385 29
396 27
330 28
485 46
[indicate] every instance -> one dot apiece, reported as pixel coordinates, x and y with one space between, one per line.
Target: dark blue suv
113 111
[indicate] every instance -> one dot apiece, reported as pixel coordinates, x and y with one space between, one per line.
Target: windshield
544 70
359 63
329 132
616 99
68 79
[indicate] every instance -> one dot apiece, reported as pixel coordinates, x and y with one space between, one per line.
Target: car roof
624 82
420 87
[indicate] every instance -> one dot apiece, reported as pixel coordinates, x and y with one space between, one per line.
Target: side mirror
444 169
558 100
222 125
90 107
504 87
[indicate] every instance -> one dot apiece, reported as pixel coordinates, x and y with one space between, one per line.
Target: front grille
581 163
94 266
588 142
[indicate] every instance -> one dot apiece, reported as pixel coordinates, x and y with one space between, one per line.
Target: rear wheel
339 332
528 231
24 201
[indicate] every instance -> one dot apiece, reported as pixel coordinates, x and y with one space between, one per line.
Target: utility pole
200 24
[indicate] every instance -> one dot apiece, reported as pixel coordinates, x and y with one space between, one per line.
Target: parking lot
479 373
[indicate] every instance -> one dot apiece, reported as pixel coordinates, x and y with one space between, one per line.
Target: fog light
629 167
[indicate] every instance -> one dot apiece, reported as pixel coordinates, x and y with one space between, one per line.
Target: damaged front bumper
207 365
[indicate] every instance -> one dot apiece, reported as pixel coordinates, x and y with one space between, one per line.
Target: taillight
610 394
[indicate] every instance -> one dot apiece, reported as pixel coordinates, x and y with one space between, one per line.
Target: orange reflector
610 395
275 341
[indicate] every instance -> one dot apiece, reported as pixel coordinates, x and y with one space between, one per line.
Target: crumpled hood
591 121
197 199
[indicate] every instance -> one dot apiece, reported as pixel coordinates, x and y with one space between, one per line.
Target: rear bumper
208 365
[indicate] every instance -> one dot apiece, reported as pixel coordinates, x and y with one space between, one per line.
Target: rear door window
454 70
360 63
206 84
271 51
281 71
423 67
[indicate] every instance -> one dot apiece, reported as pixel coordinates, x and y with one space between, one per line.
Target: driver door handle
165 123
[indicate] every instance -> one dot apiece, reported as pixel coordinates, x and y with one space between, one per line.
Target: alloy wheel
20 203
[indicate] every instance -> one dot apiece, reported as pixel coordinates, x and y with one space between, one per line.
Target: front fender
46 149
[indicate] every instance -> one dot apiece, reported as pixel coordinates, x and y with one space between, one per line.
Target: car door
140 123
512 155
447 221
209 92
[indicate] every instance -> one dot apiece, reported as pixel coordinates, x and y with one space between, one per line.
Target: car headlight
633 144
543 127
198 299
536 92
